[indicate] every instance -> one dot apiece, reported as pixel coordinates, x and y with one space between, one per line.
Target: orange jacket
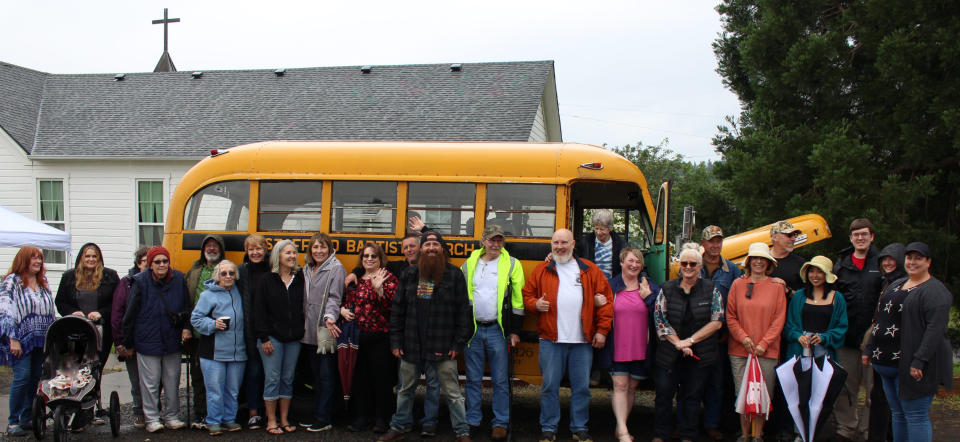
544 281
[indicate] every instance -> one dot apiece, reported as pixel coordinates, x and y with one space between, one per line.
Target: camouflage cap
491 231
711 232
784 227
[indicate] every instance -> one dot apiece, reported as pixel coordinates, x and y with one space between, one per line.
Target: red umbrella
754 399
347 345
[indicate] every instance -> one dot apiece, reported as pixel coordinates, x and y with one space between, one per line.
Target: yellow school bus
360 192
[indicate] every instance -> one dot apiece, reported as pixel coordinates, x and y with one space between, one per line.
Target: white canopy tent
17 230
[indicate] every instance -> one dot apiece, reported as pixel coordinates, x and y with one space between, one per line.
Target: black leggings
374 378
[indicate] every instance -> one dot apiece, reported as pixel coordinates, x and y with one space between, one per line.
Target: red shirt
857 262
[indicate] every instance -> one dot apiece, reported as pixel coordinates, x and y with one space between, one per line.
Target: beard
212 256
563 259
431 266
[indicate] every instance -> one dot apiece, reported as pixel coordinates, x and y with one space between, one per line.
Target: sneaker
97 420
498 433
428 431
255 422
174 424
392 435
138 421
306 423
16 431
232 426
318 427
153 426
381 426
464 438
215 430
582 436
547 436
198 424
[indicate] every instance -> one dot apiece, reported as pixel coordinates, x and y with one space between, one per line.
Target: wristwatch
692 341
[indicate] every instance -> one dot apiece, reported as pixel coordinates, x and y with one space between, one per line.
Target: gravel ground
525 411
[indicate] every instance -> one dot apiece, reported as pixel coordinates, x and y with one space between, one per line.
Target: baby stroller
70 379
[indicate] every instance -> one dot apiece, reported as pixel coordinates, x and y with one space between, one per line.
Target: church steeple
166 63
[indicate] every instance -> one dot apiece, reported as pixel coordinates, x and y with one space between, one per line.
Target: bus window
292 206
523 210
364 206
219 206
444 207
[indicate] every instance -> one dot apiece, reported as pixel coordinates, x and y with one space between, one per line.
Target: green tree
850 109
692 184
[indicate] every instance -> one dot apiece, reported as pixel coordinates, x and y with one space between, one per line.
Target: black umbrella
810 386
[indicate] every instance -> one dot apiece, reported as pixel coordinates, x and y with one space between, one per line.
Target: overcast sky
627 71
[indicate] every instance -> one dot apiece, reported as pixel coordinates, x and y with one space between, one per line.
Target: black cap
919 247
426 236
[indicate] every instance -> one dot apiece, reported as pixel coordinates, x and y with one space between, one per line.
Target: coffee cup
226 321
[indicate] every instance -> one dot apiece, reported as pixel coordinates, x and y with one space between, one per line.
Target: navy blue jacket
146 326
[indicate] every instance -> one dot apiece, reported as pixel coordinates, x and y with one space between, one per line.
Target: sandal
276 431
289 428
626 437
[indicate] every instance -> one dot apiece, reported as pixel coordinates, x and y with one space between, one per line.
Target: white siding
538 133
101 200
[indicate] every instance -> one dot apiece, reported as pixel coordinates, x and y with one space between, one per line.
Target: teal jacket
793 327
509 274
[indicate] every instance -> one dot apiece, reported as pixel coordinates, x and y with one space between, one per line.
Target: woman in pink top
756 311
625 354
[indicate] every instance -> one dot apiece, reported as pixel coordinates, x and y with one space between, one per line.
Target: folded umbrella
347 345
810 386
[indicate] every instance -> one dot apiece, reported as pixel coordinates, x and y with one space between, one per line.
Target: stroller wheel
39 418
60 424
114 413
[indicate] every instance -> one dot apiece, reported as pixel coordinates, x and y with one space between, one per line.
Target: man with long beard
430 324
563 292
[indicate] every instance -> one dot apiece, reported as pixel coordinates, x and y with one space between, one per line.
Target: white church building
99 155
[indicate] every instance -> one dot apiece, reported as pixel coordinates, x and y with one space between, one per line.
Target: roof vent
366 69
456 67
196 74
119 77
280 72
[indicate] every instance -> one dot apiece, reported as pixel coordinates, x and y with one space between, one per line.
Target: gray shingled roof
172 114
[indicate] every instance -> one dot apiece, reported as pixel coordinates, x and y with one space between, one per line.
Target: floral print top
371 309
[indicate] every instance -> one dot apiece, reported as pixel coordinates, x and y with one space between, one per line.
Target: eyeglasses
690 264
749 290
368 255
793 234
161 261
228 273
860 235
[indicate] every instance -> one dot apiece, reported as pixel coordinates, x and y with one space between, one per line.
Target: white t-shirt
569 304
485 290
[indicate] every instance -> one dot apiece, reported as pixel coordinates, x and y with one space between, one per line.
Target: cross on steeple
166 63
165 21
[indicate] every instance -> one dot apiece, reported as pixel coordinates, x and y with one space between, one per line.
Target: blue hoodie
219 345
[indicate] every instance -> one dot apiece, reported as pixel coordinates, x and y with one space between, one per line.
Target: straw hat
760 250
821 262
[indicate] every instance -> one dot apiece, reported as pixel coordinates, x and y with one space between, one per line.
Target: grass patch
956 369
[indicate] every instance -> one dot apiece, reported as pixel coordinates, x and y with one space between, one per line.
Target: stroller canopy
72 335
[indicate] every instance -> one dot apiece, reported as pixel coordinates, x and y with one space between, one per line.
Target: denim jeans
26 376
279 368
554 360
446 370
713 403
133 373
687 377
324 369
911 418
487 341
431 399
222 379
253 377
